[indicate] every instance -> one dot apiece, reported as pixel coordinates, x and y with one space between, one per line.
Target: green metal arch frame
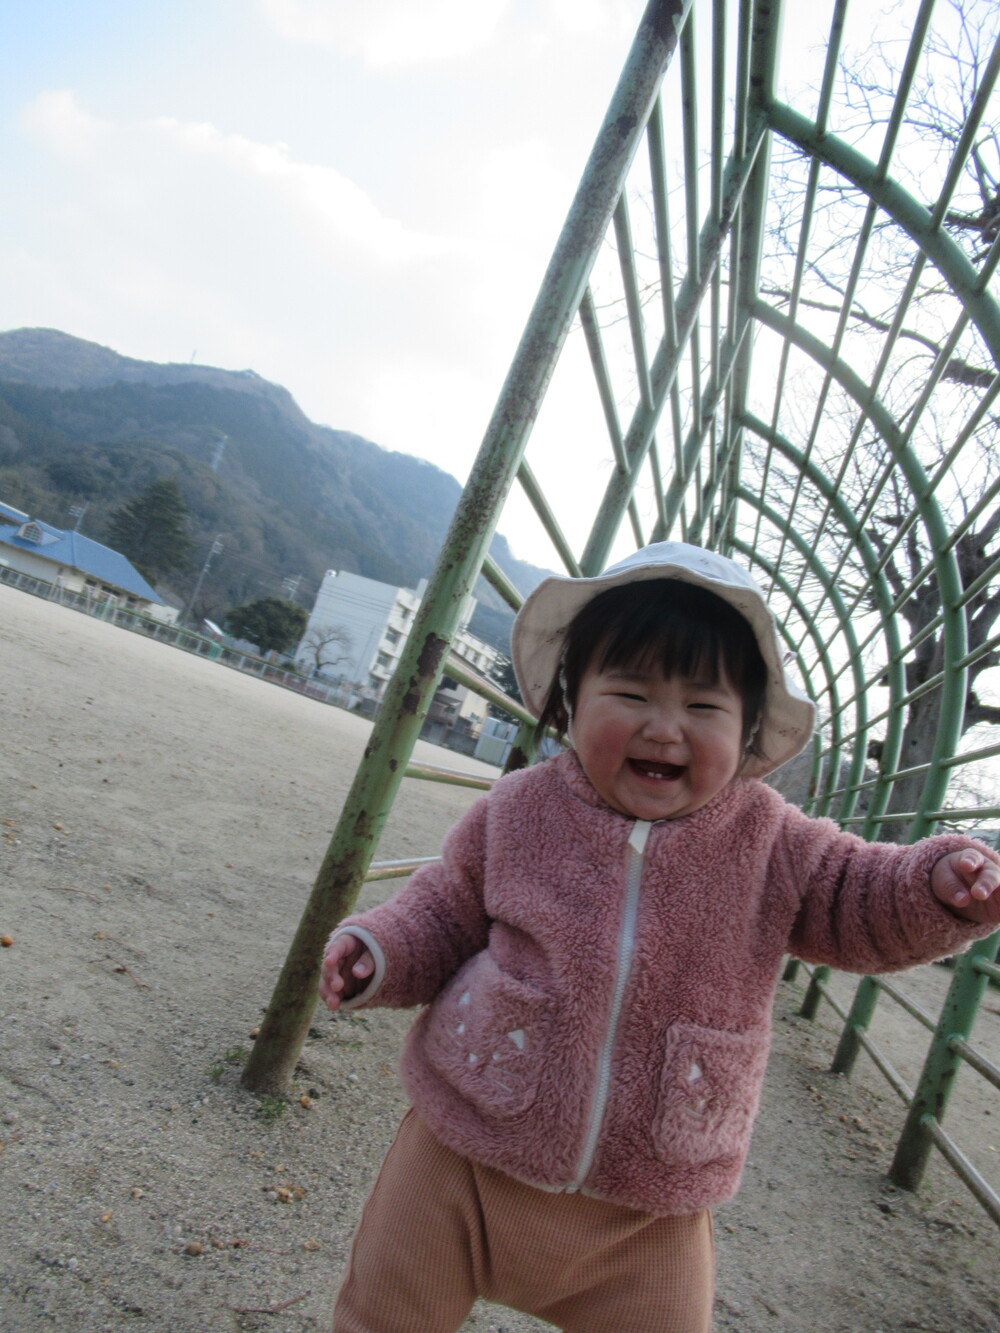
734 219
955 683
377 779
965 281
820 803
883 598
816 742
669 355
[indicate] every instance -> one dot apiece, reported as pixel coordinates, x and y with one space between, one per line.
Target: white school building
377 618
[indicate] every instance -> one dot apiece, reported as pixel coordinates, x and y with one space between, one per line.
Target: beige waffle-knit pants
439 1230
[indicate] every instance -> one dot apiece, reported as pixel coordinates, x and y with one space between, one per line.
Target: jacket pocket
708 1094
485 1035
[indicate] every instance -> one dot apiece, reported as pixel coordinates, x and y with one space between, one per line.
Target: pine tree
152 530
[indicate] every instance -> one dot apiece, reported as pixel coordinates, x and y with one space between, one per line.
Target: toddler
596 954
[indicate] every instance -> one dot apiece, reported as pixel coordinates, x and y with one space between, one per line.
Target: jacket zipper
626 947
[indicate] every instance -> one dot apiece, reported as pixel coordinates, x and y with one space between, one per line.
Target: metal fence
201 645
351 696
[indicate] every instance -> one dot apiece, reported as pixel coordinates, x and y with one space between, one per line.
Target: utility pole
214 549
290 586
77 512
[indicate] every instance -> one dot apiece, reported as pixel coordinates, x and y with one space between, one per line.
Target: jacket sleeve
432 925
869 906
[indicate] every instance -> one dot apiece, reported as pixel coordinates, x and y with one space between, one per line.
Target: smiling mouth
650 768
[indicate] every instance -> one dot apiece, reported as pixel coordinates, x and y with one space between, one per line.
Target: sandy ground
162 820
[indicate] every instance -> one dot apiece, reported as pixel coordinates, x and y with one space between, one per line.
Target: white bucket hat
539 635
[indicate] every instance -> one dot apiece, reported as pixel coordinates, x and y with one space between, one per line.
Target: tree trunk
919 737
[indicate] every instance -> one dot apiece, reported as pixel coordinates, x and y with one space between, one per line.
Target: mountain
82 425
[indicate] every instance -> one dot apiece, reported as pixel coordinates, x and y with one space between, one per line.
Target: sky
355 200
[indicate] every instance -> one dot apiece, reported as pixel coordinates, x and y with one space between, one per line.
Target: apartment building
357 630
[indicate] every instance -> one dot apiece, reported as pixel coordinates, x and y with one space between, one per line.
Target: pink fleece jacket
598 991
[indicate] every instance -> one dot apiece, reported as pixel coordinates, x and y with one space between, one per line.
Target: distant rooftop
73 550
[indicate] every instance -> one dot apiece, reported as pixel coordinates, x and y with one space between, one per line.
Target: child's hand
967 882
347 965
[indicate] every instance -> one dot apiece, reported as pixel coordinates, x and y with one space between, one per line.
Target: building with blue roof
70 560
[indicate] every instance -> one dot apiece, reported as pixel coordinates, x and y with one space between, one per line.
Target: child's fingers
981 876
346 962
332 981
330 986
967 879
339 948
365 966
986 884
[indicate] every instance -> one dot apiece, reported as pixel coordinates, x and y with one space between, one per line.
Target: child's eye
622 694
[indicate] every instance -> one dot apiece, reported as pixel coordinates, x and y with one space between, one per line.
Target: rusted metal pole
411 689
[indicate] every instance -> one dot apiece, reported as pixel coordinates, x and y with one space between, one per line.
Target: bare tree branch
957 369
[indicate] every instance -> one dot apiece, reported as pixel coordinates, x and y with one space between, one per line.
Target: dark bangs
679 628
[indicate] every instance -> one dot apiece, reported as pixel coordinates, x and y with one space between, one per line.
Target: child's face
656 748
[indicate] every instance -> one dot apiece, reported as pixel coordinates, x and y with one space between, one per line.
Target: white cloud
592 16
323 195
389 34
56 119
372 243
166 238
514 175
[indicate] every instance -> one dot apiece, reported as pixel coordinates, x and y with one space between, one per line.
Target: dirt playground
162 820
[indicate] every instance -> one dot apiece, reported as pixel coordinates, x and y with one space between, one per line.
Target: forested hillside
80 425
